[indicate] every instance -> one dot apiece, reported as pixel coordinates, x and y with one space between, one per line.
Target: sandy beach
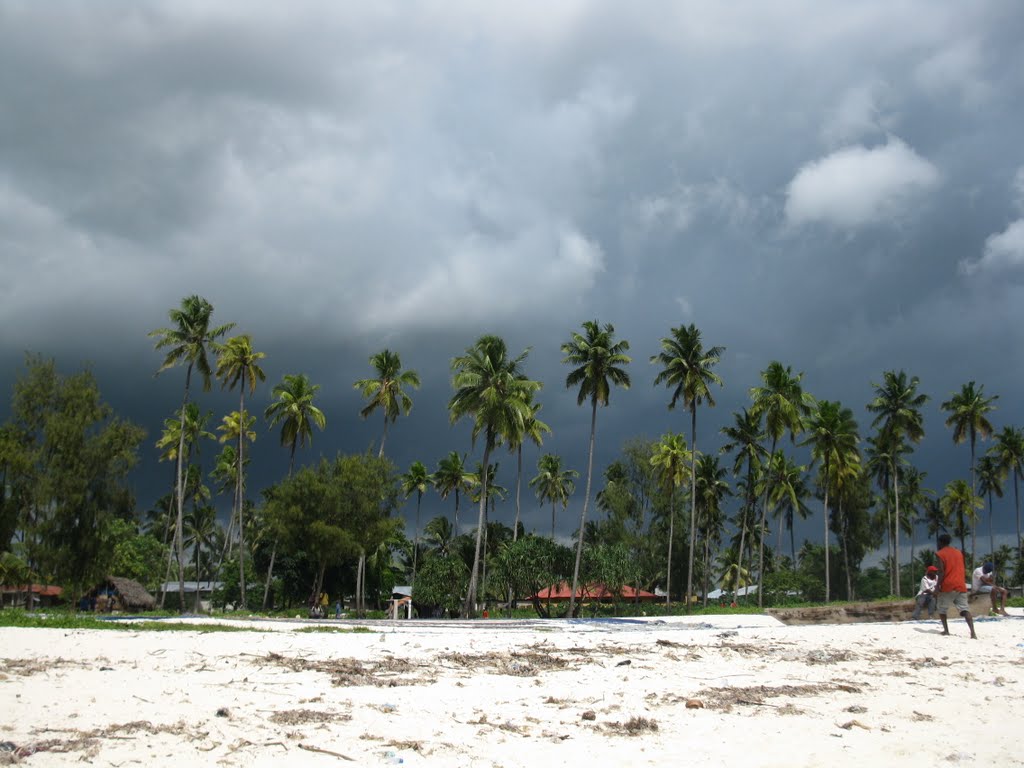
708 691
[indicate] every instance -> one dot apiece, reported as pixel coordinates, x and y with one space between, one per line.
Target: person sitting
983 581
926 594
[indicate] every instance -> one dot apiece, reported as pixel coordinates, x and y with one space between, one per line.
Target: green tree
832 435
417 480
385 390
554 484
783 404
990 483
1009 449
897 407
712 489
599 363
293 409
745 438
533 429
188 341
968 412
491 390
670 458
452 476
237 426
962 504
686 369
238 365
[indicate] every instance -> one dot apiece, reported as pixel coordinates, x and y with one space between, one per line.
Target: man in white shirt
983 581
926 594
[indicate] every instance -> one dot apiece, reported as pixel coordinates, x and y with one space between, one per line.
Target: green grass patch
40 620
338 630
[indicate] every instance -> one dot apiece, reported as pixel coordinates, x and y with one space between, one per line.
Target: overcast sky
839 186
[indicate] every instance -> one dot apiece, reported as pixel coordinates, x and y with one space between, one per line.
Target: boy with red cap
926 594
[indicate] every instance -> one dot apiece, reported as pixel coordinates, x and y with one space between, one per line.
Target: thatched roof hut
126 594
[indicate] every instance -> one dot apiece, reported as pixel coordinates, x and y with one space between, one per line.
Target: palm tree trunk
896 546
416 536
706 568
693 502
671 537
198 577
552 519
456 529
241 501
974 490
270 574
1016 504
991 536
846 551
748 507
828 583
583 513
470 604
167 543
764 520
179 541
383 437
519 483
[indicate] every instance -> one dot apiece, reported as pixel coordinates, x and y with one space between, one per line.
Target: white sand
497 693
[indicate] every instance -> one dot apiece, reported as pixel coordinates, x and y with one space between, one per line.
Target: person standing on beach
952 584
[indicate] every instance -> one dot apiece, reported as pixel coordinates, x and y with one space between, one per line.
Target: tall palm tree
417 480
490 389
533 430
686 369
744 440
452 476
832 435
712 488
669 459
598 361
886 450
553 484
784 405
897 407
968 419
188 340
990 483
385 391
961 503
238 365
1009 449
293 409
915 497
787 483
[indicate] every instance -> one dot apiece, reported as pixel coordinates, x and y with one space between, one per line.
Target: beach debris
695 704
854 724
725 698
300 716
589 715
921 717
669 644
634 726
223 712
959 757
856 709
319 750
624 663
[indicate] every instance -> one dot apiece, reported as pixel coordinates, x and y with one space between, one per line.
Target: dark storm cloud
834 185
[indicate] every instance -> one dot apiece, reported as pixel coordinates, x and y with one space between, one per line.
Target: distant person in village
926 594
337 608
952 584
983 581
325 601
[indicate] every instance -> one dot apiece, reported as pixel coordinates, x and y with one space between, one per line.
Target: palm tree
961 501
294 411
686 368
897 408
532 429
440 536
490 388
598 361
832 435
712 488
787 485
669 461
452 476
967 418
238 365
170 442
553 484
990 483
417 480
200 532
187 341
1009 448
745 438
916 497
385 390
784 405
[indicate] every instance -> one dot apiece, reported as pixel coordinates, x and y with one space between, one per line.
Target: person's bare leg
1002 600
970 623
945 626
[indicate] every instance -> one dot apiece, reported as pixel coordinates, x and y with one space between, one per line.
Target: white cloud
954 67
1004 250
856 185
857 114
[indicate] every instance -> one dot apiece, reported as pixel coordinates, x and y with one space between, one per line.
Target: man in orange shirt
952 584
